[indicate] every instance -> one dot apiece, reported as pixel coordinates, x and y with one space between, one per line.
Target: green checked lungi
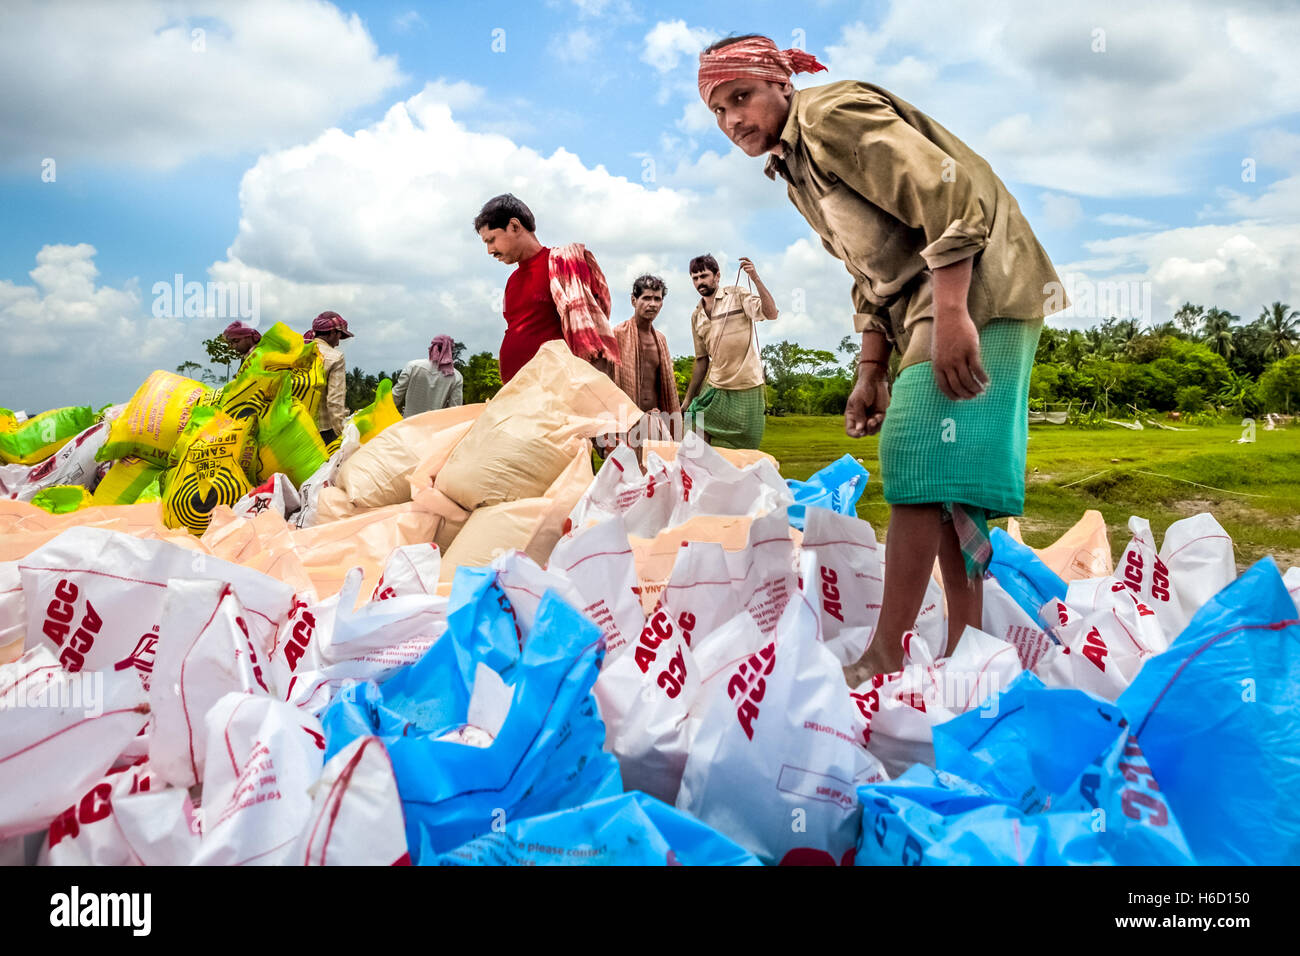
968 456
732 419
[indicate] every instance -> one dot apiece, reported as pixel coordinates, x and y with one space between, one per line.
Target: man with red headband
428 385
946 272
243 339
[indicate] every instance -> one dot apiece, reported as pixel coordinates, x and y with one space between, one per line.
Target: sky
309 156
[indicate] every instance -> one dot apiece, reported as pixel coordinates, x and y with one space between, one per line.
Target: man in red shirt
552 294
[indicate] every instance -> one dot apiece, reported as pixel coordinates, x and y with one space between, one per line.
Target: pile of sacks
183 444
455 645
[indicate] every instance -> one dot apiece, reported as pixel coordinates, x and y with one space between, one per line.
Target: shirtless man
646 371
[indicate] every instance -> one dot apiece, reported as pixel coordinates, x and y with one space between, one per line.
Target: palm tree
1097 342
1235 393
1218 333
1281 330
1123 334
1074 347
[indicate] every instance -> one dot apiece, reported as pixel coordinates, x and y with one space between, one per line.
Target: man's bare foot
877 660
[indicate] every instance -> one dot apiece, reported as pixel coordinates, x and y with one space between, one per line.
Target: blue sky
333 155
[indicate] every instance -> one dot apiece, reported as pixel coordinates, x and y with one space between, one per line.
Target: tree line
1203 363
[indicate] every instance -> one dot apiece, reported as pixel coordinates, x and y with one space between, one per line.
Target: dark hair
700 263
727 41
648 282
499 210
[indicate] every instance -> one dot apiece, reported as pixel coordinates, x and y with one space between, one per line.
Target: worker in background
426 385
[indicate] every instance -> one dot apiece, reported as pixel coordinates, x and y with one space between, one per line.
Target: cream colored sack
422 478
530 431
1082 552
378 473
740 457
531 525
656 556
24 527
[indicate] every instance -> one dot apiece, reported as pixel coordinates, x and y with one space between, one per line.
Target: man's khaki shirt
333 410
894 195
725 335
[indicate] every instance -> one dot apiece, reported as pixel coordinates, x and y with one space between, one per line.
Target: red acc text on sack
832 603
58 622
747 686
1159 576
657 630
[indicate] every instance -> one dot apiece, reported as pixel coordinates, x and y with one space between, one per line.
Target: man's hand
865 411
955 356
765 297
603 364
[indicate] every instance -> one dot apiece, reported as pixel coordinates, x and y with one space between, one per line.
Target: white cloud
591 8
458 95
130 82
1025 85
377 225
1125 221
576 46
1235 267
669 42
71 342
1250 258
1275 147
696 117
1279 201
595 9
735 185
1060 212
408 21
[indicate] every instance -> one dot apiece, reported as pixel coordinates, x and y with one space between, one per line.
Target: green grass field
1252 489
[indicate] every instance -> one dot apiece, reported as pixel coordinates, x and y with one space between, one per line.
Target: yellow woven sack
154 418
379 414
248 395
125 481
309 383
205 470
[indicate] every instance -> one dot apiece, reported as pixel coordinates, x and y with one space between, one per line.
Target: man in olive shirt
728 373
946 271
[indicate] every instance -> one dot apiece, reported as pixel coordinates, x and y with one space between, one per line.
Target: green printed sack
32 441
63 499
288 441
282 348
